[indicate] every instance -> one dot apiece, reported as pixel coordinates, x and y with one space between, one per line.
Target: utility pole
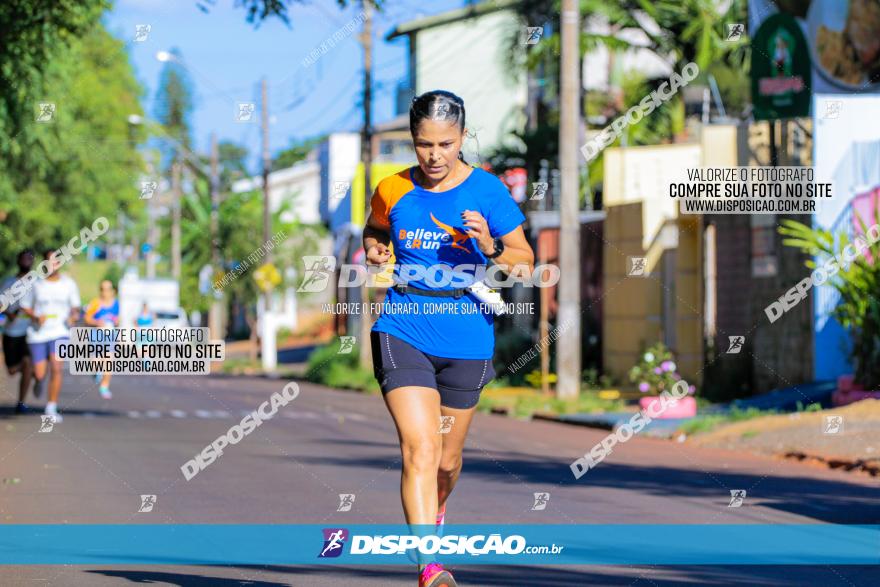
366 317
267 163
175 217
568 355
152 229
267 334
214 325
152 234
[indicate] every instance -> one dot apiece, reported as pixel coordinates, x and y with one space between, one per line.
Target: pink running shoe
434 575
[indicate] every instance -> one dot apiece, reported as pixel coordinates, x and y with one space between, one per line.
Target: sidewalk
851 443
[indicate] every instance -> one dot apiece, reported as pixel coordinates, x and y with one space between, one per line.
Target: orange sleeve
387 194
92 309
380 208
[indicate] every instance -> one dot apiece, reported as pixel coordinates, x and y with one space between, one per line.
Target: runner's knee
420 455
450 465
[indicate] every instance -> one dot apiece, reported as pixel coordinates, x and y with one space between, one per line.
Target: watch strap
499 248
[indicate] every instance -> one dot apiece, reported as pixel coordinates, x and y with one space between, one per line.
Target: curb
869 466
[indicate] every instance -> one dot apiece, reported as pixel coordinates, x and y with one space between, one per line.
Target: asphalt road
93 467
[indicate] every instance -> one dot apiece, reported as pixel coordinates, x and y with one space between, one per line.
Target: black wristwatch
499 248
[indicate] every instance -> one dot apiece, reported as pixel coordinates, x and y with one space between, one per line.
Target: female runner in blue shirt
434 365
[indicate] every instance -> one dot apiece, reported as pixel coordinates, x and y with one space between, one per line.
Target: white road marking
212 414
296 415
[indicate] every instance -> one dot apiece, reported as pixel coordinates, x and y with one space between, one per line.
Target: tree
240 234
58 176
296 152
174 104
233 163
260 10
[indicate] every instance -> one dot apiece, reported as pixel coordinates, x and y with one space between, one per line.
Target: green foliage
813 407
524 406
656 371
59 176
114 274
708 423
296 152
689 30
240 234
174 103
260 10
857 284
509 346
232 159
327 367
663 123
591 379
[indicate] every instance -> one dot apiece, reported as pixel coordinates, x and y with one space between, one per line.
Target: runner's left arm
75 303
517 256
27 306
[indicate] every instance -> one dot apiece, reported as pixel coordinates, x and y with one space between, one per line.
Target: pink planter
848 392
686 407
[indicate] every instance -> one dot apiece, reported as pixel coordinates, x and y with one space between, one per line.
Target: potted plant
857 283
657 372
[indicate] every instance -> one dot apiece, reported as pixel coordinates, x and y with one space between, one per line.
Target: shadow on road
8 413
529 576
827 500
183 579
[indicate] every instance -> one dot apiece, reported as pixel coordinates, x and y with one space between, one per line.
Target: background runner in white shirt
53 305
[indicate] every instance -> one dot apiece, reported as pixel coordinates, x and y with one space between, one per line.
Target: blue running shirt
426 229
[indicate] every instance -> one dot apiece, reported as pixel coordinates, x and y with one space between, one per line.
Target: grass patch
328 366
525 404
702 424
88 276
236 365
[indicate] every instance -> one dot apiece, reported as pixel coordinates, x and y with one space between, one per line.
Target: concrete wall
643 221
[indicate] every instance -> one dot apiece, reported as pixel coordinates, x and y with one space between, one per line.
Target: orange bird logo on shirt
457 235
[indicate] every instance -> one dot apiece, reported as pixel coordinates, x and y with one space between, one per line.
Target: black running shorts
15 349
398 364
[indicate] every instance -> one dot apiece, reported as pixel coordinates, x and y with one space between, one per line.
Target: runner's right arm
27 306
376 242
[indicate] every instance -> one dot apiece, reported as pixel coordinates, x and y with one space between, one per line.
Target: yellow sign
378 172
267 277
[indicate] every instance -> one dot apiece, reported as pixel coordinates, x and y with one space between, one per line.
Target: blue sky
226 57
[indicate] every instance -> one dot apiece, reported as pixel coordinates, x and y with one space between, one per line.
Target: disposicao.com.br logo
396 544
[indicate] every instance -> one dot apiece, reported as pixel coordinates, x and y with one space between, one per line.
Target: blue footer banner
386 544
